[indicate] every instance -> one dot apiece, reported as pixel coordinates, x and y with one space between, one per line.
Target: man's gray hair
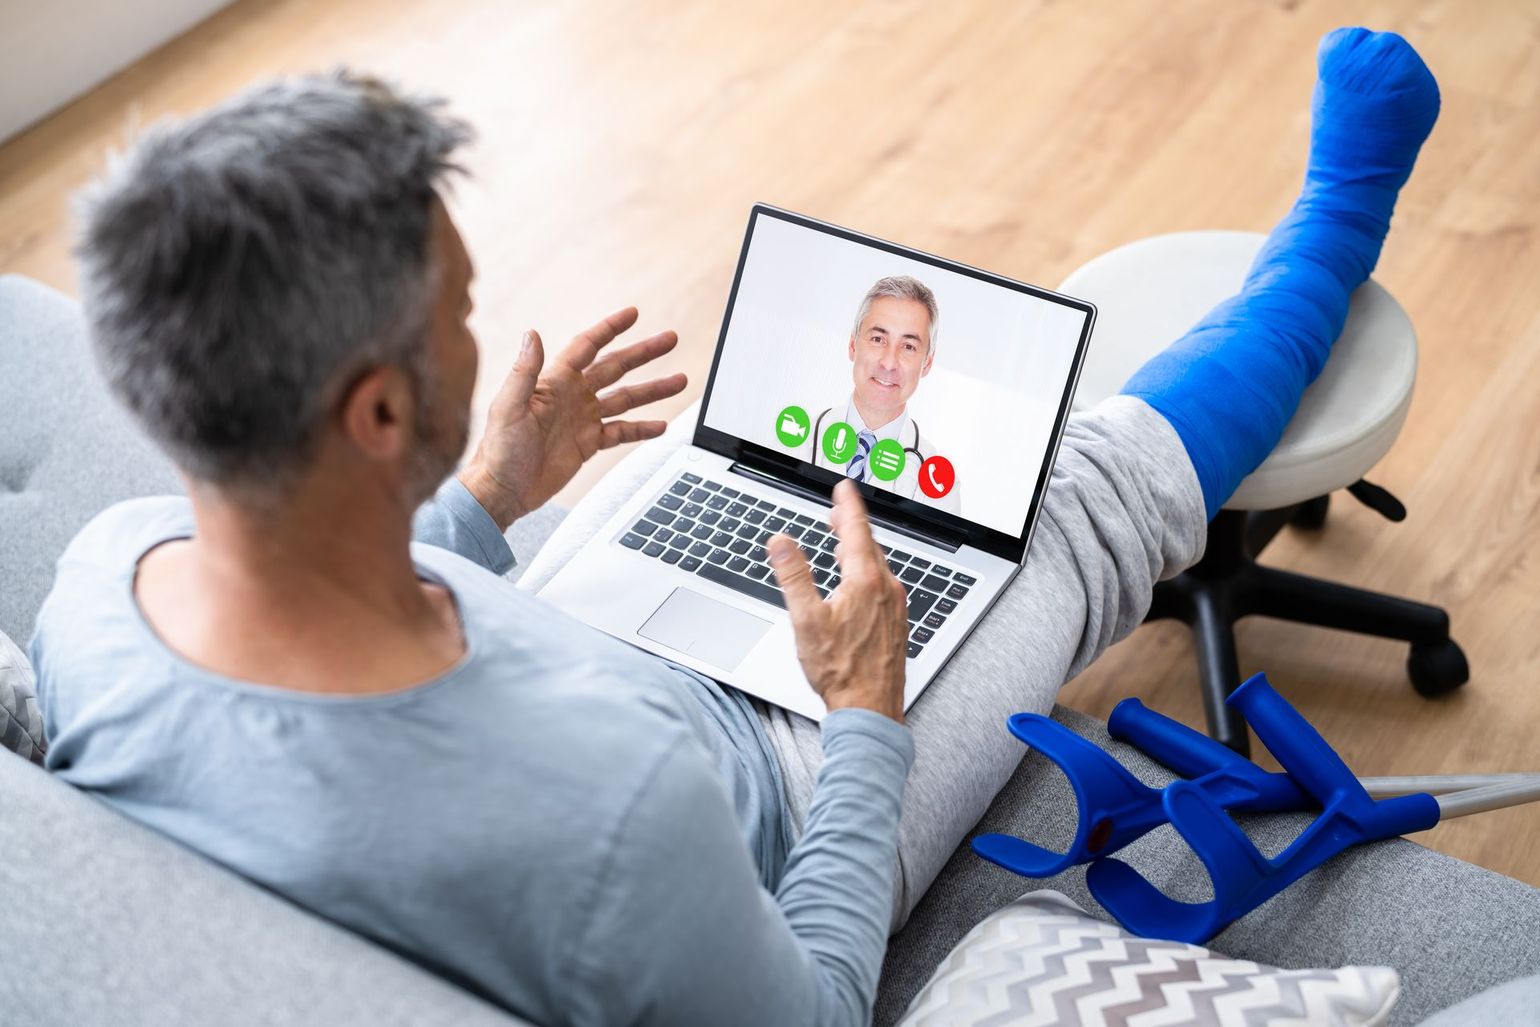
242 267
902 287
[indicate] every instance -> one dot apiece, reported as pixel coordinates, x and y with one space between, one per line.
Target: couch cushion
1450 929
67 450
124 927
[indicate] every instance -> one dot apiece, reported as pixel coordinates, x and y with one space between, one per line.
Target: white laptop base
690 596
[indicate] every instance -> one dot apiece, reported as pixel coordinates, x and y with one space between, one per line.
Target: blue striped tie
857 467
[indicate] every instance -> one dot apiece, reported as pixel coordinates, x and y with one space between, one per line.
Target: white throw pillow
21 724
1043 960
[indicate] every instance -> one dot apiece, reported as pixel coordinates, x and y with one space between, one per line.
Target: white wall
52 51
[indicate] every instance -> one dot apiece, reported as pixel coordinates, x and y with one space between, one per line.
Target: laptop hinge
940 537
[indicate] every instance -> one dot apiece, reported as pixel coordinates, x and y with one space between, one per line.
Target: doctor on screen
870 435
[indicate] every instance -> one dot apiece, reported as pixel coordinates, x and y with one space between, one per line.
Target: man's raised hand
542 427
852 645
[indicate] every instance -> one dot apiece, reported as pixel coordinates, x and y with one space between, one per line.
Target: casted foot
1437 669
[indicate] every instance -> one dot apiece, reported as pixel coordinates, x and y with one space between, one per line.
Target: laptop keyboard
719 533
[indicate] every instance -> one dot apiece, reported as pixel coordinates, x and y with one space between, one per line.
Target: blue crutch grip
1242 877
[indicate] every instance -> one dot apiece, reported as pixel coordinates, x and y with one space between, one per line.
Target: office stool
1149 293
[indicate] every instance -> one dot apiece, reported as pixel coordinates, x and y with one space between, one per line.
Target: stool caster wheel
1311 515
1437 669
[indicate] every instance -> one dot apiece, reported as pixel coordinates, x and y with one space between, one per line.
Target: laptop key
920 602
763 537
729 523
945 572
710 517
759 554
670 502
912 575
721 538
755 517
758 571
684 526
730 493
812 538
934 620
689 563
747 500
824 560
717 502
803 519
956 592
774 523
631 540
820 577
700 549
719 556
680 488
748 586
964 579
690 510
747 531
672 556
737 510
660 515
765 505
713 486
794 530
655 549
935 583
914 649
946 606
693 479
662 535
829 543
899 554
702 531
918 562
699 495
644 527
737 565
741 547
786 514
923 635
680 541
895 566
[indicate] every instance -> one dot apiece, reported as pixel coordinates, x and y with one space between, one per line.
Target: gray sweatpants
1123 511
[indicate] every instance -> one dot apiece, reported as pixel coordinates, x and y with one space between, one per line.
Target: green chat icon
792 426
887 460
839 442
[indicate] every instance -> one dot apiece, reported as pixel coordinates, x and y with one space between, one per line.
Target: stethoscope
913 426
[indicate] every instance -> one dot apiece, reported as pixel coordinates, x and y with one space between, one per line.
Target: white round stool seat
1150 292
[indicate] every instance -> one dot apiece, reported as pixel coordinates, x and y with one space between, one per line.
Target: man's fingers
629 397
580 352
795 577
516 389
616 433
857 550
616 365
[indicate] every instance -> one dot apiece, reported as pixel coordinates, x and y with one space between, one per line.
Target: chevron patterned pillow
21 725
1043 960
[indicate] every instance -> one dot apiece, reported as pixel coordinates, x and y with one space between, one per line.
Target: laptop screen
942 389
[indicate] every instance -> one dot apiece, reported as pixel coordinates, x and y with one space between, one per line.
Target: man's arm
454 519
681 931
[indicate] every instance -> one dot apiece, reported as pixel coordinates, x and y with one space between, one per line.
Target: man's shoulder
124 529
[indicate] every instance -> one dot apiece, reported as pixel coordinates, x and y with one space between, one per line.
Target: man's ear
930 358
852 350
377 412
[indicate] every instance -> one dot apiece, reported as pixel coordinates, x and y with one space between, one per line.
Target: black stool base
1228 584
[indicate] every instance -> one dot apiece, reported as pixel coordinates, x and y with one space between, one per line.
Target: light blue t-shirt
569 826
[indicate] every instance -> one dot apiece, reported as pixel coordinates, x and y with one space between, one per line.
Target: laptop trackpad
704 628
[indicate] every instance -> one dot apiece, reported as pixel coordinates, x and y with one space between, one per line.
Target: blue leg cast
1231 384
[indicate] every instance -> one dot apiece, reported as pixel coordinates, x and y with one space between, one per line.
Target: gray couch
107 922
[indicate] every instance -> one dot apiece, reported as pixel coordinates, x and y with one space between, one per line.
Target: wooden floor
622 143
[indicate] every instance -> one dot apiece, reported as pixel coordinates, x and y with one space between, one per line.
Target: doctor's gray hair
242 267
902 287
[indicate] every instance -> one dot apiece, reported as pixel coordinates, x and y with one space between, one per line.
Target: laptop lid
942 389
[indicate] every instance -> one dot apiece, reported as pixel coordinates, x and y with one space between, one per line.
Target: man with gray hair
870 436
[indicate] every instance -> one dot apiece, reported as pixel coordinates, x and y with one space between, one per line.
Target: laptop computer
940 388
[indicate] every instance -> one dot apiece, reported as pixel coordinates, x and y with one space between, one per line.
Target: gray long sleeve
683 932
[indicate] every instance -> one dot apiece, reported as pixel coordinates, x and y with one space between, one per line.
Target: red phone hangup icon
937 477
